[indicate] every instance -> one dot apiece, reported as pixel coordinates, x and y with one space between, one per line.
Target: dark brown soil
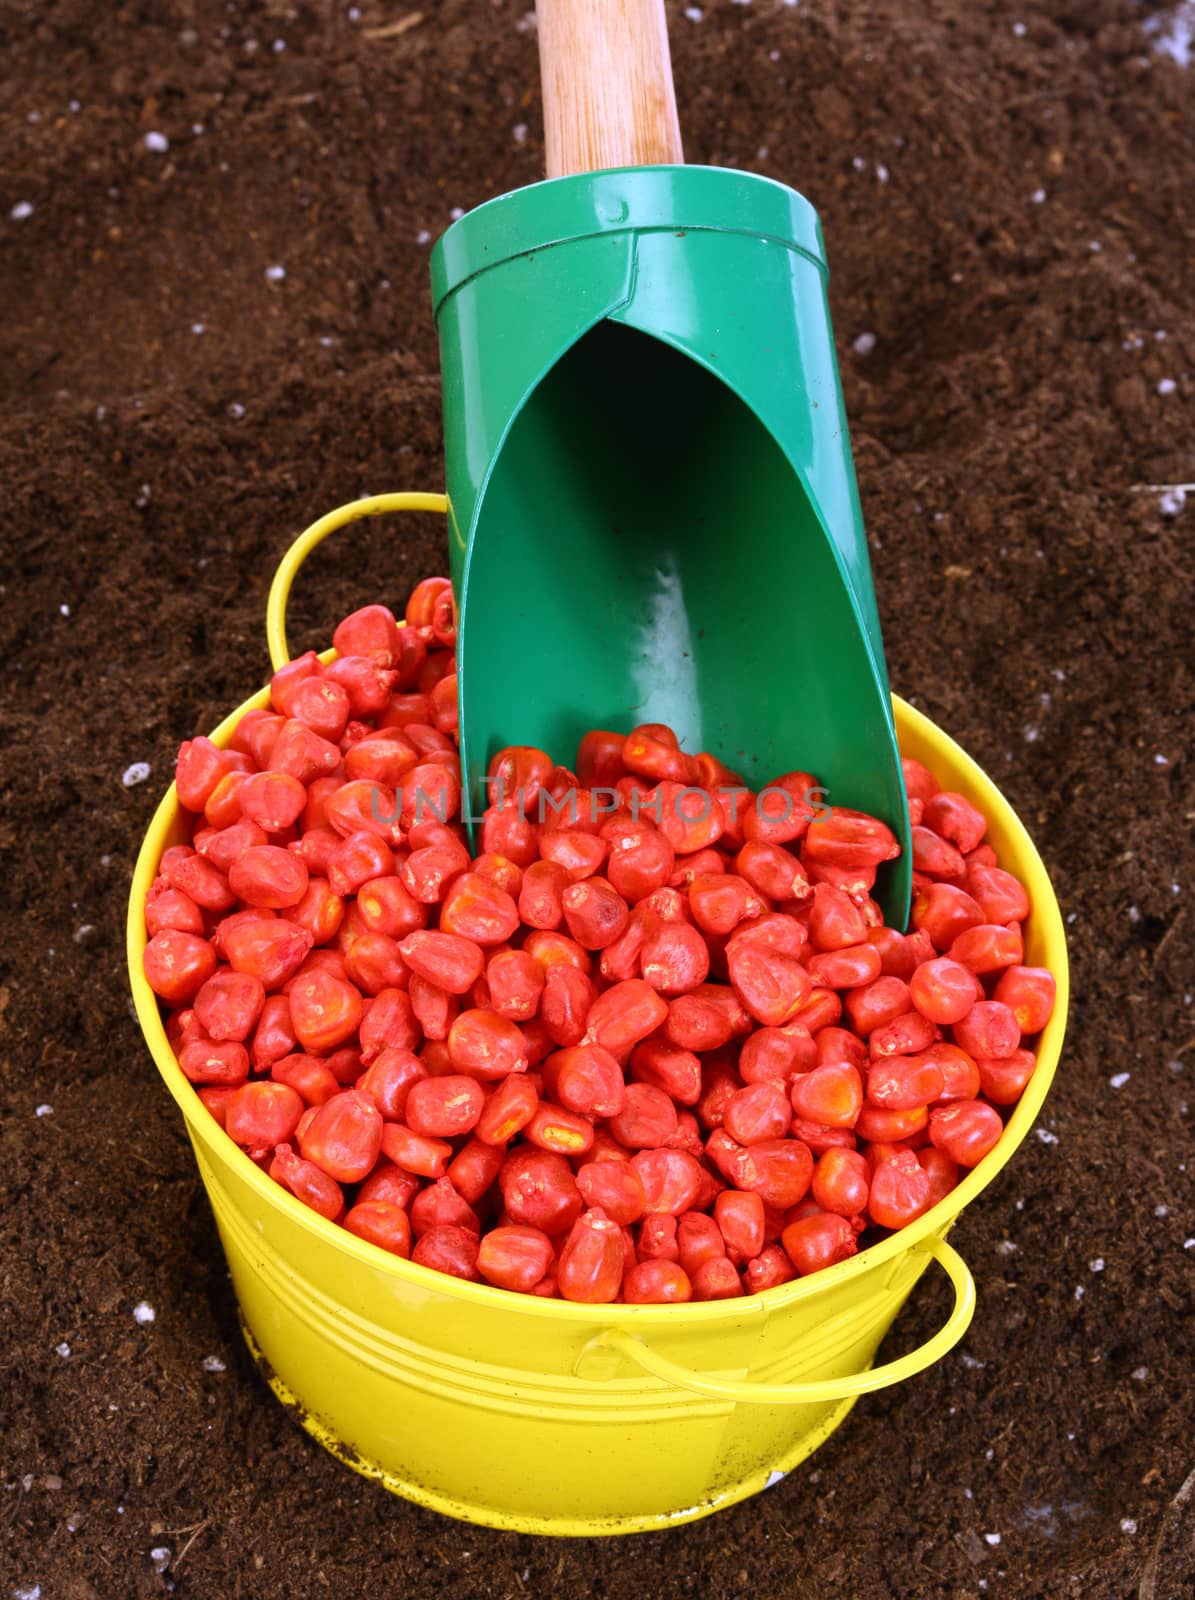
1034 366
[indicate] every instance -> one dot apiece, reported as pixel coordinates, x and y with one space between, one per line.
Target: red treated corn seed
210 1061
954 818
484 1045
229 1004
307 1076
444 1108
757 1112
778 1170
769 1270
770 985
445 959
1003 1079
944 990
344 1137
818 1241
170 908
641 860
841 1182
440 1206
381 1223
878 1125
475 1168
475 908
262 1115
385 906
585 1079
674 958
960 1076
177 965
326 1011
716 1280
414 1152
988 948
623 1015
965 1131
900 1191
389 1078
373 963
508 1110
944 911
204 883
516 982
357 859
390 1183
990 1028
539 1190
515 1257
592 1259
595 912
307 1183
671 1180
451 1250
434 1009
559 1131
614 1186
698 1240
667 1067
647 1120
656 1283
903 1036
269 948
902 1083
388 1023
830 1095
848 968
998 895
1029 993
740 1219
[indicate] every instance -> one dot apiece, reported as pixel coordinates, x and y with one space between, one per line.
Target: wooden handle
607 83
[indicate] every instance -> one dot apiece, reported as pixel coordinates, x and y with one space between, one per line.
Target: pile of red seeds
654 1044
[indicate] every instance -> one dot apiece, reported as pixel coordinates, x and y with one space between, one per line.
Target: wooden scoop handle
607 85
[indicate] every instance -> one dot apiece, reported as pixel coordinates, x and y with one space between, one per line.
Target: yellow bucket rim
1044 911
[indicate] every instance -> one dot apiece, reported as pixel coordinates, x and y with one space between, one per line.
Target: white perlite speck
991 1538
1128 1524
143 1312
213 1364
863 344
423 237
157 142
1096 1263
275 273
1167 386
1038 196
44 1111
160 1556
137 773
694 13
520 132
1140 1374
1046 1136
62 1349
22 211
1119 1079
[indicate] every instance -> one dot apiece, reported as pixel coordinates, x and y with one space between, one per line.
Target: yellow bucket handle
374 505
802 1394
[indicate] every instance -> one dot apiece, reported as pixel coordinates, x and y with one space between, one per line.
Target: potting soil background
208 342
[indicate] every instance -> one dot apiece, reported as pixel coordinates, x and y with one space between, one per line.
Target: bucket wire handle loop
374 505
816 1393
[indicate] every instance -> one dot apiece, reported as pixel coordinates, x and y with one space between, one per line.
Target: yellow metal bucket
540 1415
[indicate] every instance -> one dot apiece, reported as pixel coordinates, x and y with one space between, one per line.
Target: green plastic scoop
653 514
